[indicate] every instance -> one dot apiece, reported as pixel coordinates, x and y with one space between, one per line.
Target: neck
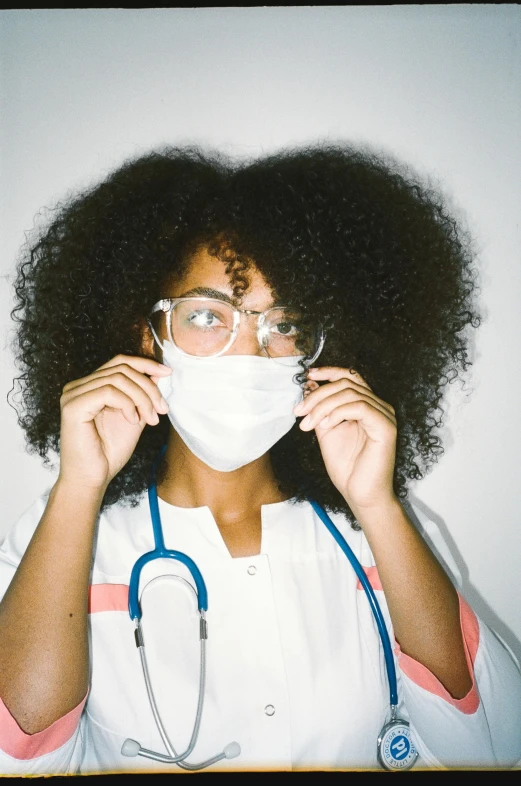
190 483
234 498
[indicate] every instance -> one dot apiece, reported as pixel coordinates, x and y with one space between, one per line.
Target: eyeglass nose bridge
262 336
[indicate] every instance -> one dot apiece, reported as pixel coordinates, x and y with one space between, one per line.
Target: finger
362 412
332 373
155 379
86 406
120 381
322 392
142 365
327 406
148 384
310 386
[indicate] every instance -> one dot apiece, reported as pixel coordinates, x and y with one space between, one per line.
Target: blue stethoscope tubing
132 748
160 552
373 602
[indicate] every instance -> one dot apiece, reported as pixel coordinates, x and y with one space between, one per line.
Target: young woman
264 347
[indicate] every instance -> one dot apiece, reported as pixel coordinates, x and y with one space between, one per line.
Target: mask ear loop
156 337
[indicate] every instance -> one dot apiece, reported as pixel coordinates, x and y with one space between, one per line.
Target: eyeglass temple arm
161 305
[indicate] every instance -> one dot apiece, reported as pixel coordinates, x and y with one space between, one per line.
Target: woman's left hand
356 432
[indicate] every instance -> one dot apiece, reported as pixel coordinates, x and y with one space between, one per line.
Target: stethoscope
395 749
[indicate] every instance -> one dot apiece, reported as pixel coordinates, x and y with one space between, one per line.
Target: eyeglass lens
204 328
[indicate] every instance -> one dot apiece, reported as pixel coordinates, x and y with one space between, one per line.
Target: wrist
78 493
383 510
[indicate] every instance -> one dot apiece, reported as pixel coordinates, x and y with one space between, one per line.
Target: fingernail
304 424
299 407
164 405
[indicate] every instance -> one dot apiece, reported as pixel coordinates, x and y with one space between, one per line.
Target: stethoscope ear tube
132 747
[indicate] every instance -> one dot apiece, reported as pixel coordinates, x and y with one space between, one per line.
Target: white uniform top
295 666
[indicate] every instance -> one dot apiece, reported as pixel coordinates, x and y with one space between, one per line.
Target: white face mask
231 409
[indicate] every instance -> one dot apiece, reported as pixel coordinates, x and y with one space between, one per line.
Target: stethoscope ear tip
131 748
232 750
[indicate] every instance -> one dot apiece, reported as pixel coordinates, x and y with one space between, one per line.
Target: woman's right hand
103 415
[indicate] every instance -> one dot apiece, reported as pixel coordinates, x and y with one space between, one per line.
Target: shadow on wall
468 590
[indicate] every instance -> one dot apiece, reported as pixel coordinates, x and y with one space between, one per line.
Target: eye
203 318
285 329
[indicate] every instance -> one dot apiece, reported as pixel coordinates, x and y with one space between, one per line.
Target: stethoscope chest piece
396 751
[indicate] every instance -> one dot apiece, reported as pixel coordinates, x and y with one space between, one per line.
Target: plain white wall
437 86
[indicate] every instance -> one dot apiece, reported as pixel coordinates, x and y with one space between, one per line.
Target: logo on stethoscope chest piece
395 747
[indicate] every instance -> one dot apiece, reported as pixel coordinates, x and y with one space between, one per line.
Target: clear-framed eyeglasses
207 327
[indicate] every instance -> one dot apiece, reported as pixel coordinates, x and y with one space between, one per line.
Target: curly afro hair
348 237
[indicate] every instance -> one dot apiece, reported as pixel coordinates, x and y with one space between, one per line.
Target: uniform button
269 709
252 570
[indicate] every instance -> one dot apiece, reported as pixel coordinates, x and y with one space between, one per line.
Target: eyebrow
207 292
213 293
